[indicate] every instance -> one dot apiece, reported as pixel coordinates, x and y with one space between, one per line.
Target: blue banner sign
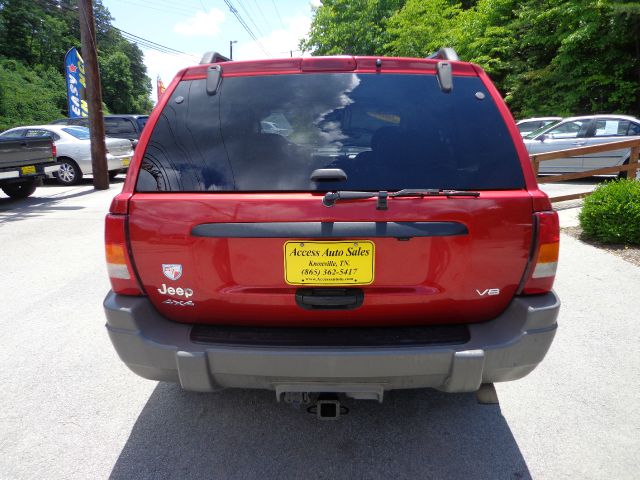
76 83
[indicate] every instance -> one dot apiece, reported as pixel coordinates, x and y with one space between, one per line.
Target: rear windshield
81 133
386 132
538 131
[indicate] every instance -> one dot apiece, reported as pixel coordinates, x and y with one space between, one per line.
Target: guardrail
631 168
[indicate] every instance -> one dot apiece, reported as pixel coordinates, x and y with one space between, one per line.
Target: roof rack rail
445 53
213 57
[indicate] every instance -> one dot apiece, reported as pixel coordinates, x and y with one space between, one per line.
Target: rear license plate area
318 263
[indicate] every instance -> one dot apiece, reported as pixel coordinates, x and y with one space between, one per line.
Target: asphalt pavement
71 409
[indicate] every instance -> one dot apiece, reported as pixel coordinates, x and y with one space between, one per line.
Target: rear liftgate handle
329 298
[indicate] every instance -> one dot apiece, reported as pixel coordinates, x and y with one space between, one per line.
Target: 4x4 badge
173 271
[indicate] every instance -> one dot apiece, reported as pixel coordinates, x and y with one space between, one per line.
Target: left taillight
542 269
119 264
54 151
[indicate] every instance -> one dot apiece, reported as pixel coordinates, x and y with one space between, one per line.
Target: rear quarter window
387 132
141 121
81 133
119 126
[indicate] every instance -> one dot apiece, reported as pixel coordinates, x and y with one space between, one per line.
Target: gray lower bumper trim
505 348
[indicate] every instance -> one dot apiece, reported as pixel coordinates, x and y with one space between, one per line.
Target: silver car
529 125
74 150
584 131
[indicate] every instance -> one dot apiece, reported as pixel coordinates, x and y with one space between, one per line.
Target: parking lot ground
573 186
70 409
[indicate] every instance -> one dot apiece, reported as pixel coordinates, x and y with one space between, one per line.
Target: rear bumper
16 174
505 348
119 162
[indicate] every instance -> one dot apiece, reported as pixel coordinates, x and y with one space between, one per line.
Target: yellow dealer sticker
329 263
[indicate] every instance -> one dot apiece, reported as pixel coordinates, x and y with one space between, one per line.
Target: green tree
122 90
353 27
38 33
575 57
421 28
561 57
117 83
141 88
29 96
484 35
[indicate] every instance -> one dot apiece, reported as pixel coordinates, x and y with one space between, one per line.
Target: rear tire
113 174
69 172
20 190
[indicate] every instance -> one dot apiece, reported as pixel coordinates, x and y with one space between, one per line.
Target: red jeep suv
340 224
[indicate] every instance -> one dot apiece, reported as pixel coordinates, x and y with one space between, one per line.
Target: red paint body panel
420 281
330 64
427 280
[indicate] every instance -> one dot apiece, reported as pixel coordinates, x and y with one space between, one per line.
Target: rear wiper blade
434 192
330 198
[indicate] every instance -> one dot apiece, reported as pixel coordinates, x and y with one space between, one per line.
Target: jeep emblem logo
173 271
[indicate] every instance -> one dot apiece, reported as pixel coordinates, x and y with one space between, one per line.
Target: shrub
611 214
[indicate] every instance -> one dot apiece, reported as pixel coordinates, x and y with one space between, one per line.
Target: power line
278 13
169 49
160 7
182 2
148 46
128 36
246 11
245 26
264 19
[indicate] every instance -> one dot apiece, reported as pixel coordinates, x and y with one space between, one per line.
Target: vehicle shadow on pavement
246 434
12 210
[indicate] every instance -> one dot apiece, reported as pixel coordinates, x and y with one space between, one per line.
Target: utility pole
231 42
94 96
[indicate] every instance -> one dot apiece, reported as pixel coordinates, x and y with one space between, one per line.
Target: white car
74 150
584 131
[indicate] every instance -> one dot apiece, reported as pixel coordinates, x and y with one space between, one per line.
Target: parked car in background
116 126
529 125
581 132
74 150
24 162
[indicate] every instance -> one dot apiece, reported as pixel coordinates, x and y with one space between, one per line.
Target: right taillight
542 269
119 265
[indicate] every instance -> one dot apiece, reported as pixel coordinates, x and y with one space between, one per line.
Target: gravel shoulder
629 253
